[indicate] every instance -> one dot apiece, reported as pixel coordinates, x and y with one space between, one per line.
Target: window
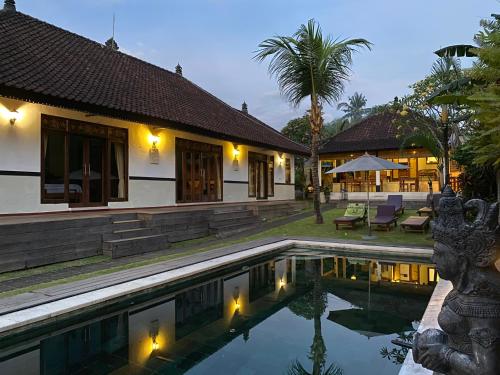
83 164
199 171
53 155
117 182
270 177
260 179
288 171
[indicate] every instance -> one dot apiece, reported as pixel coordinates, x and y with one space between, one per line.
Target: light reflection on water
300 310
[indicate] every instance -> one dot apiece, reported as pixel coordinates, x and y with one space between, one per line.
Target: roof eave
43 99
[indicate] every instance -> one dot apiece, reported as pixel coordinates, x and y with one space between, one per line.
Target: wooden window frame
182 146
69 126
288 171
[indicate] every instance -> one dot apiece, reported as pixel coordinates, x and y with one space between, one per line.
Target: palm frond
309 63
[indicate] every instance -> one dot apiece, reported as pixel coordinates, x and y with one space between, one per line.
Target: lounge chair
386 215
397 202
431 206
355 212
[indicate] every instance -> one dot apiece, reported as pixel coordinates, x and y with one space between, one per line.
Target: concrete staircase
226 222
130 236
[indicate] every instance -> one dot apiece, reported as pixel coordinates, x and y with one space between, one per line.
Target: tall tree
354 108
310 65
441 115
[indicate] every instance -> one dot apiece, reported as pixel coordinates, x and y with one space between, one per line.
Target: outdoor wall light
236 154
282 283
353 277
280 155
14 116
154 153
154 140
154 330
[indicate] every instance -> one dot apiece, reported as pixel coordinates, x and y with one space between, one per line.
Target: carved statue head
460 244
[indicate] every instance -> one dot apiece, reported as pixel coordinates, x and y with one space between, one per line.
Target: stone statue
464 253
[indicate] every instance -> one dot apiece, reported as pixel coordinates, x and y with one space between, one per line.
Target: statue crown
473 239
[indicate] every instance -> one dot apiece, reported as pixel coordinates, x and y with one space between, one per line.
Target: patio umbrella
366 163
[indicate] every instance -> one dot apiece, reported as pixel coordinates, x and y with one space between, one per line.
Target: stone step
127 224
129 233
220 225
231 231
221 210
125 216
222 216
135 245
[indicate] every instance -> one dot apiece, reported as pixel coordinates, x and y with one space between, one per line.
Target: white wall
20 151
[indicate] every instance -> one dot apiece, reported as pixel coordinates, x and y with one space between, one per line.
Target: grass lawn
304 227
307 227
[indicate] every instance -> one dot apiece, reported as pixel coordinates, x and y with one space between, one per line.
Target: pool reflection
192 328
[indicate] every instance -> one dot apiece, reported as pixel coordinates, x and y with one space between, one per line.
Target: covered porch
421 176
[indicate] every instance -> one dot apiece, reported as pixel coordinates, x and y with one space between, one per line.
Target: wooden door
86 171
199 177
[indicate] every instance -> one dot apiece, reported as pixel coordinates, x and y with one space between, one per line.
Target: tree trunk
316 122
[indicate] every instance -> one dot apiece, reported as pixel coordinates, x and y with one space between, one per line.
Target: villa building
84 125
378 135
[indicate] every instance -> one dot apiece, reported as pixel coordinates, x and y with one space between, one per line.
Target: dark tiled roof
46 64
376 132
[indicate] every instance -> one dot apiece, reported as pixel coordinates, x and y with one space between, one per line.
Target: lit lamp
236 154
353 277
236 297
14 116
282 283
280 154
154 154
154 330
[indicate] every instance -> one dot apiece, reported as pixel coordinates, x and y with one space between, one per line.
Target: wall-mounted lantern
14 116
280 155
154 330
154 153
236 155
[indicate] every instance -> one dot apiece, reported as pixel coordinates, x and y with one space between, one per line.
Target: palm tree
354 108
310 65
312 307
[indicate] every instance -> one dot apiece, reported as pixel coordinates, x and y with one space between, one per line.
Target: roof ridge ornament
244 108
178 69
9 5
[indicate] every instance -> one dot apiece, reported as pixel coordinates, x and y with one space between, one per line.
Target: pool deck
24 310
429 320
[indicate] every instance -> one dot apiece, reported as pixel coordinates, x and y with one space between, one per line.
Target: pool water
297 311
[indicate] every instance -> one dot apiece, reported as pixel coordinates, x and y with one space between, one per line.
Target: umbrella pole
369 236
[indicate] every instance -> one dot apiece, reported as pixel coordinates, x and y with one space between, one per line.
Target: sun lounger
397 202
416 223
386 215
355 212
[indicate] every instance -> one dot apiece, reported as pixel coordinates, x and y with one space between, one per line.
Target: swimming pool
299 309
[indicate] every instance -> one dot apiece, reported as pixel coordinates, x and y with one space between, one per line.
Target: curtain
120 167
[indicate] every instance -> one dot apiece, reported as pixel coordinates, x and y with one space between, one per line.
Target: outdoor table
416 223
425 210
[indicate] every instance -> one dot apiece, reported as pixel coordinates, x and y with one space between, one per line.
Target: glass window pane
53 153
117 181
270 176
251 178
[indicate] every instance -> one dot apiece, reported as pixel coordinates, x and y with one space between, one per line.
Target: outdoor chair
386 215
397 202
355 212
